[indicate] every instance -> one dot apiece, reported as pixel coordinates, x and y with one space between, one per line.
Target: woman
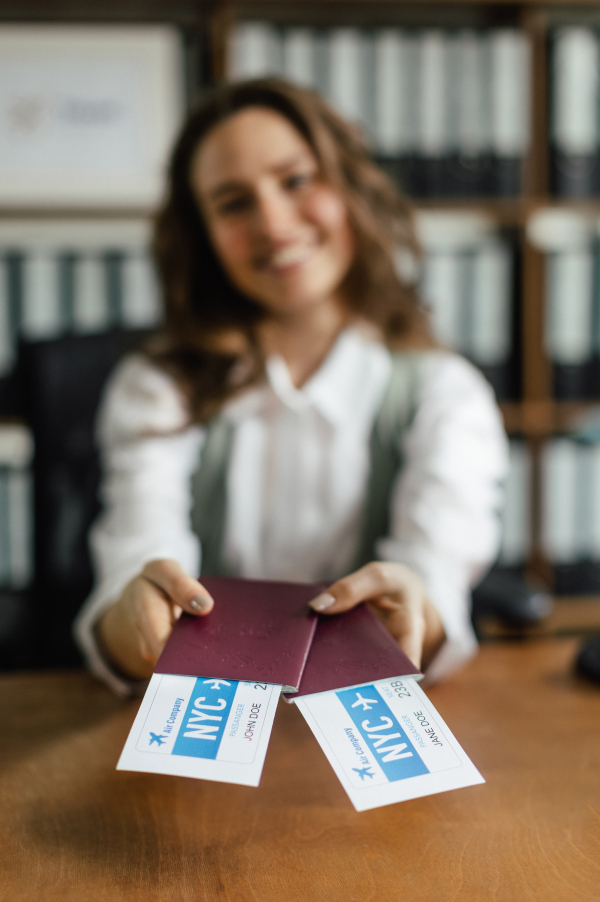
294 413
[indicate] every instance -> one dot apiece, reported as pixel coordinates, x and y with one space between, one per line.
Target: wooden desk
72 828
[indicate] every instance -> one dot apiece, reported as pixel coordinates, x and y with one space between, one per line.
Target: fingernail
322 602
201 604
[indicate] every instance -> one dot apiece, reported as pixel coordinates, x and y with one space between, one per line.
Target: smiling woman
274 200
281 232
292 419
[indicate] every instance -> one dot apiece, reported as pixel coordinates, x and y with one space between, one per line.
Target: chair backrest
64 380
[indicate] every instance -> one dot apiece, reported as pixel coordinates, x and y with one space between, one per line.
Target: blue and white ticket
387 743
204 728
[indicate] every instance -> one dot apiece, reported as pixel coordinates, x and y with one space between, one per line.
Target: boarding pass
387 743
204 728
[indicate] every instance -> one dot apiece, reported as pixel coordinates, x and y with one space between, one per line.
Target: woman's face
281 233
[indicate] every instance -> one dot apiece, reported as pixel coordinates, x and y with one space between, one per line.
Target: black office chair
62 389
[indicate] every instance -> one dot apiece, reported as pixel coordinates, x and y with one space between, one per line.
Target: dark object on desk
587 662
581 578
507 597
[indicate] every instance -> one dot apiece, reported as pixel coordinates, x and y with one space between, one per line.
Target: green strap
395 414
209 495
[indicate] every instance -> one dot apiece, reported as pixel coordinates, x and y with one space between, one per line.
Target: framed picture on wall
87 114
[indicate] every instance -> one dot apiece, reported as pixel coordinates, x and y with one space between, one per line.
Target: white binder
254 51
490 307
298 57
141 300
575 95
514 543
433 138
41 315
568 325
348 73
393 82
560 534
510 84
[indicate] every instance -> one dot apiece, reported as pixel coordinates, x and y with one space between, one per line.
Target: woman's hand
398 597
133 632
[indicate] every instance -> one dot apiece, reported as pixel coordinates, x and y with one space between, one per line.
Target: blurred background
486 114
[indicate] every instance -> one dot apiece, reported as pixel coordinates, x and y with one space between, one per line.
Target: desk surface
72 828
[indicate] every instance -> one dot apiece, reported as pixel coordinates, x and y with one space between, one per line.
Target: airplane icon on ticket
363 772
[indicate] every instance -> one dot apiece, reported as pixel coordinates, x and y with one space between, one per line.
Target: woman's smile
289 259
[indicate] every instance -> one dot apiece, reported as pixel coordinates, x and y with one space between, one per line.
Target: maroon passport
349 649
258 630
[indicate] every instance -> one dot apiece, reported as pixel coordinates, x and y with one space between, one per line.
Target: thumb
178 586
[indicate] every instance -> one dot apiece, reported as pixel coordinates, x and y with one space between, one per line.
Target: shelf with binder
570 243
445 111
469 276
70 276
570 515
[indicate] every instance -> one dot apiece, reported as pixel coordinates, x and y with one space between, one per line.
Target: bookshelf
206 29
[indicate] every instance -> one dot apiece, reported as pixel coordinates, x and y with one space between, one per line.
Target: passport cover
258 631
349 649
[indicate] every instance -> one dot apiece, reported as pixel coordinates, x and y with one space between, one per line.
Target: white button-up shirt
297 481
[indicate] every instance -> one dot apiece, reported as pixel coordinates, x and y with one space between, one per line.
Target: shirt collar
355 368
343 384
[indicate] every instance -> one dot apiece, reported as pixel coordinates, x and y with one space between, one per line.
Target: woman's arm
148 454
445 523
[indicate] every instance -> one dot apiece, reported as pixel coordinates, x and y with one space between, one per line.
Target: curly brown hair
208 341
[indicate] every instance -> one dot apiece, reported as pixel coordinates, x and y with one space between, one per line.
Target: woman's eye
298 180
234 205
